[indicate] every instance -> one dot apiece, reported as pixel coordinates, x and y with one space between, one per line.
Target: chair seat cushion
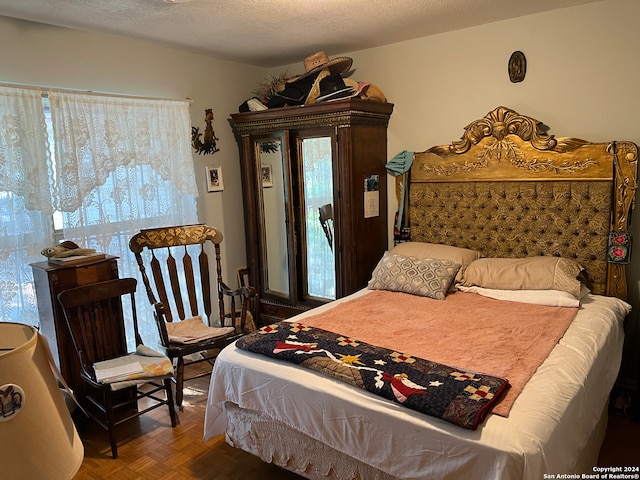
148 364
193 330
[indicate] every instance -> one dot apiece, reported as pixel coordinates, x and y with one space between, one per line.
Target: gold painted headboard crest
509 189
502 122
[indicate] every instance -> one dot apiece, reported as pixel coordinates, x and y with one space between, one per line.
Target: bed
512 195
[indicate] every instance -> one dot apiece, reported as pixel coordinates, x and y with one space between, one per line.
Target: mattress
549 429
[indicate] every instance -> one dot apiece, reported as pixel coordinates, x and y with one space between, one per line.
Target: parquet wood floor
150 449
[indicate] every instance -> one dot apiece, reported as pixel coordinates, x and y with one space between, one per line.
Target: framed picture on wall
214 179
267 176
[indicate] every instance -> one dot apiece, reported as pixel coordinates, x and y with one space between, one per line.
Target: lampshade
39 439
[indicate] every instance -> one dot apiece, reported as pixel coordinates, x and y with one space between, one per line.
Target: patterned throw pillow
426 277
463 256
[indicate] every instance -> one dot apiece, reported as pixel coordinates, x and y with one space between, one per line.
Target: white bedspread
549 425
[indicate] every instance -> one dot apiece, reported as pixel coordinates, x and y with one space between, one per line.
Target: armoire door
317 235
274 218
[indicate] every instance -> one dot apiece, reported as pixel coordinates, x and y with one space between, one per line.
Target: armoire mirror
274 218
316 197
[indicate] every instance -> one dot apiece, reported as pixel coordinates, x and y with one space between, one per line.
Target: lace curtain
95 135
25 200
123 165
119 165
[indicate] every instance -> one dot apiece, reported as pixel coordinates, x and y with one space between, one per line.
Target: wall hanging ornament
208 144
619 247
517 67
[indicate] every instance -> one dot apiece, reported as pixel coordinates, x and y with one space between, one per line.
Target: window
110 166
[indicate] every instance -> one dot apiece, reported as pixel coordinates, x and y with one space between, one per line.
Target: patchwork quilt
458 396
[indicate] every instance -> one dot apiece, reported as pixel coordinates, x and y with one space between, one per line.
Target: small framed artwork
267 176
214 179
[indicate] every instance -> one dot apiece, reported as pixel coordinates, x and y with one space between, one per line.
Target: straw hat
373 92
358 87
349 88
320 60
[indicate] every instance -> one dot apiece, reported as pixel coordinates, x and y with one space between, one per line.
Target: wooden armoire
315 200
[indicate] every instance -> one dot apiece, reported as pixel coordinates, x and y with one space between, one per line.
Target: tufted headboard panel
507 189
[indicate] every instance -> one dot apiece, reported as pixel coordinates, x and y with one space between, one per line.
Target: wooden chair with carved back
184 293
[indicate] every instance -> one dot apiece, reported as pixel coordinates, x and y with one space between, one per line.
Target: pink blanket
468 331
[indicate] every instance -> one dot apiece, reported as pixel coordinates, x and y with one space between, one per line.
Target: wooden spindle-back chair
180 288
95 319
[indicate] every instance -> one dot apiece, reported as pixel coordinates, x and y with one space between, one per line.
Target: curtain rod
89 92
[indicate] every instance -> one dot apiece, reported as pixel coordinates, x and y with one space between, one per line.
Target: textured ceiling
271 33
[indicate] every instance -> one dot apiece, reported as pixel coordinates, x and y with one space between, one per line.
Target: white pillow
550 298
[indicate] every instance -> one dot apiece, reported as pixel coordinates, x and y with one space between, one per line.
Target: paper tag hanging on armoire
371 196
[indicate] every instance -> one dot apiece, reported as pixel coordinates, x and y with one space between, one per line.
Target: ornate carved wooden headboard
508 189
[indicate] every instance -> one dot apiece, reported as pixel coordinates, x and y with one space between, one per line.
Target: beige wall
583 75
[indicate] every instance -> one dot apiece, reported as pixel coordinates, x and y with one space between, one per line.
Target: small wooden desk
51 279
